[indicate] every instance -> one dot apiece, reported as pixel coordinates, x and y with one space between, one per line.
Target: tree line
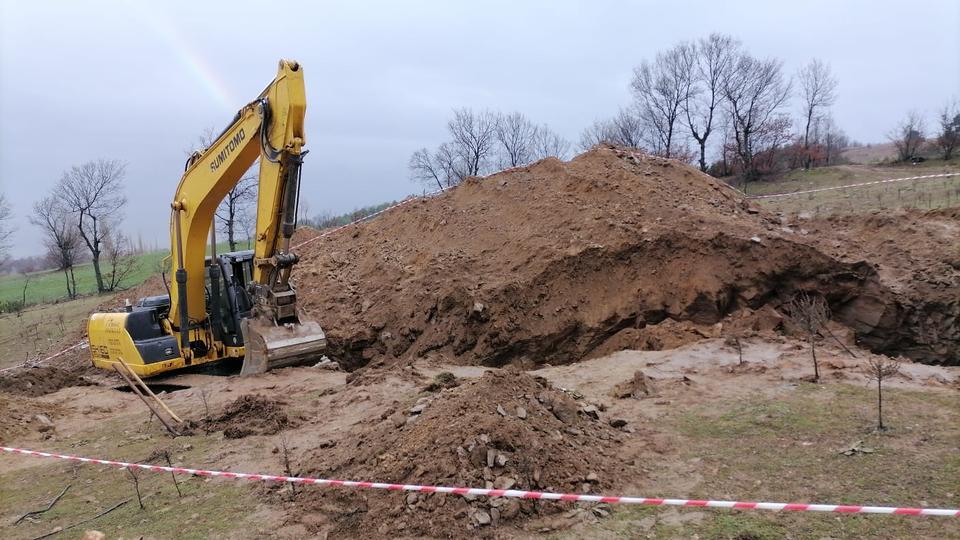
481 142
710 102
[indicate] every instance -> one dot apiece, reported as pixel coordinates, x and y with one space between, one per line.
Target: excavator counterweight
233 305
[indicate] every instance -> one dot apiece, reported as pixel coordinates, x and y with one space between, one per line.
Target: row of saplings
809 314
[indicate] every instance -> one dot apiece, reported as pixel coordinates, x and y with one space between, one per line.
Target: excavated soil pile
550 262
505 430
917 255
251 414
39 381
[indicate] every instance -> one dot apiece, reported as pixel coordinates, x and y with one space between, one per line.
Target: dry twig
77 524
47 509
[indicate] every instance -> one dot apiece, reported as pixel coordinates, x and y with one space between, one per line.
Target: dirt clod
251 414
640 386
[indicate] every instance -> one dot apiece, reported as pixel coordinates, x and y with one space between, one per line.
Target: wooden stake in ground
147 389
136 390
879 368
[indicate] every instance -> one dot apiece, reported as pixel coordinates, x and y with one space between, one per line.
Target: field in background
925 194
36 330
50 285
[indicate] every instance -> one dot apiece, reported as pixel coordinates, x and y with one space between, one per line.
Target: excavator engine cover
270 346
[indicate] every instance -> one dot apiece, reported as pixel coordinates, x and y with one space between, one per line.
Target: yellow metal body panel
110 342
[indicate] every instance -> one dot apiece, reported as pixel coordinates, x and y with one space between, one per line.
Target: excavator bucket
270 346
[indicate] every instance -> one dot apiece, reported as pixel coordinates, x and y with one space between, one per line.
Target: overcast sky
139 81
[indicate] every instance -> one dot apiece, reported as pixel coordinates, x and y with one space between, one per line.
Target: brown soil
20 415
250 414
547 263
38 381
505 430
916 254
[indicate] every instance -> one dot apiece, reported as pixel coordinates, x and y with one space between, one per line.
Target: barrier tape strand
512 493
848 186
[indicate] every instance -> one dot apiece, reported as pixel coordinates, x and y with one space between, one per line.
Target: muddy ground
704 425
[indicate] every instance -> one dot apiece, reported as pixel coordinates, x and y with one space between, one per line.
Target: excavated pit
550 262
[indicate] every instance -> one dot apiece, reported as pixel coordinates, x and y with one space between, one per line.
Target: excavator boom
260 303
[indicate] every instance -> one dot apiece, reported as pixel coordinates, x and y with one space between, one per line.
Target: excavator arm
270 128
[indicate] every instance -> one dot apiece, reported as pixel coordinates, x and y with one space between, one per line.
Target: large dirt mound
505 430
546 263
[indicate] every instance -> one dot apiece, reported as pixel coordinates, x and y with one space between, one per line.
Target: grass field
33 332
788 450
925 194
50 285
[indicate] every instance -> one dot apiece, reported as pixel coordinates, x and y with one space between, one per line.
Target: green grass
208 508
37 329
50 285
787 449
925 194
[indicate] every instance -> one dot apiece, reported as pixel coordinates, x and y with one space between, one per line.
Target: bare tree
810 314
627 129
469 153
61 237
599 132
831 138
879 368
93 192
660 89
755 91
949 138
238 200
474 138
440 167
624 129
246 223
714 57
6 230
908 136
120 257
515 134
819 91
547 143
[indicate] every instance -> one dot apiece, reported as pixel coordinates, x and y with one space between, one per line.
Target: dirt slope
545 263
916 254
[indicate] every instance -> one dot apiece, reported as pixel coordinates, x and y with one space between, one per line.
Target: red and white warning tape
848 186
81 343
514 493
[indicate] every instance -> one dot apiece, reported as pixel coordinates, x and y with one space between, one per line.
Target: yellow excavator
238 305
